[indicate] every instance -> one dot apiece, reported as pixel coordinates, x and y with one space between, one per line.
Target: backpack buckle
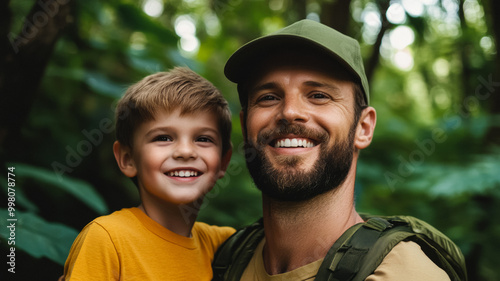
378 224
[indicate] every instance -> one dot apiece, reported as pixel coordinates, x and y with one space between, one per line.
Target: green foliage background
435 153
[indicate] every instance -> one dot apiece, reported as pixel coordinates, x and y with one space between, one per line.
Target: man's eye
267 98
162 138
319 95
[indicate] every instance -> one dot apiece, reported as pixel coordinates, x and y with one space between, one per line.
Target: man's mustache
267 136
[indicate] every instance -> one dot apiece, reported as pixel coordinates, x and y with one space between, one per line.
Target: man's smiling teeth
183 173
293 143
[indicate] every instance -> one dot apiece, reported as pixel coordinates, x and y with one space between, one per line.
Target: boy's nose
184 150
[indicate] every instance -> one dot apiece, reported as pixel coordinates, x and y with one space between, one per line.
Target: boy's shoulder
202 227
123 218
106 228
218 234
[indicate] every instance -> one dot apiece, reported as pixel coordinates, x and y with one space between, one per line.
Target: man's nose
294 109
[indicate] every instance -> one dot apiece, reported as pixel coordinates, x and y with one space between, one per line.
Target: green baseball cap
305 33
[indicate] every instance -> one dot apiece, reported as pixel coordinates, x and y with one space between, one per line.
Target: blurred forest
434 70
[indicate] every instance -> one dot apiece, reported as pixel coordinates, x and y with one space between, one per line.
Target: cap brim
239 65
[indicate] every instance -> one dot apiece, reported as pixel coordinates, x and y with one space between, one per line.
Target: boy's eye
204 139
162 138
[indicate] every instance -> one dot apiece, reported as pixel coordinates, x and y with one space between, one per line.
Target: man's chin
301 163
300 181
295 169
292 194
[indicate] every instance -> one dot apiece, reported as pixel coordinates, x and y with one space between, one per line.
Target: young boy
173 139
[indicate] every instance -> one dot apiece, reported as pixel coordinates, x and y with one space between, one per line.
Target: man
305 117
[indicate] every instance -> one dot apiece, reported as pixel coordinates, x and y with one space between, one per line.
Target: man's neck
298 233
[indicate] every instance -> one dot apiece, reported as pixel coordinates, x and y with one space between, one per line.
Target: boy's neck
176 218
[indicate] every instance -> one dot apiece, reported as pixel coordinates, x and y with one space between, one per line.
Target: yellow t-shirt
406 261
128 245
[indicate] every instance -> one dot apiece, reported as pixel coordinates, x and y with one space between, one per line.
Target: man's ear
226 158
365 128
243 125
123 156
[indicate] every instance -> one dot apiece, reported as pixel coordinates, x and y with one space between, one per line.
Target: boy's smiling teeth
183 173
295 142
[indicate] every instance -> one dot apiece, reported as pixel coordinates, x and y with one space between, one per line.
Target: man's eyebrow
265 86
274 85
321 85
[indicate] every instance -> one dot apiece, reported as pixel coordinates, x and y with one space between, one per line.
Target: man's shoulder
410 236
378 240
407 261
233 256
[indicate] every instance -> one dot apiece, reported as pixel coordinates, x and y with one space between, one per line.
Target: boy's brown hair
179 88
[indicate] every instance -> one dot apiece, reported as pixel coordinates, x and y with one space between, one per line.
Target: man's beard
288 183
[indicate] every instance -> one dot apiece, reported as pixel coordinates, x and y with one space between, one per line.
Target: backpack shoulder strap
363 251
345 258
387 240
437 246
233 256
355 255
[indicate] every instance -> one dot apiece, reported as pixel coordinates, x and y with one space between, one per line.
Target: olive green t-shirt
406 261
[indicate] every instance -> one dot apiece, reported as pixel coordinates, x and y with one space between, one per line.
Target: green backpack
356 254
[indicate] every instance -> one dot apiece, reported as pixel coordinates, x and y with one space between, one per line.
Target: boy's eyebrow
153 131
168 128
216 131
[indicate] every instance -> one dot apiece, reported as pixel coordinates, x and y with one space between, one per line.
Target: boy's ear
123 156
365 128
226 158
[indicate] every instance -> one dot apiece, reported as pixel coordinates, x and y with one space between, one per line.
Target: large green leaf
78 188
477 177
36 236
134 18
103 85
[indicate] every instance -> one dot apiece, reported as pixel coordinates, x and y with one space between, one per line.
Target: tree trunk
5 25
464 49
491 8
24 59
300 6
374 59
337 14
